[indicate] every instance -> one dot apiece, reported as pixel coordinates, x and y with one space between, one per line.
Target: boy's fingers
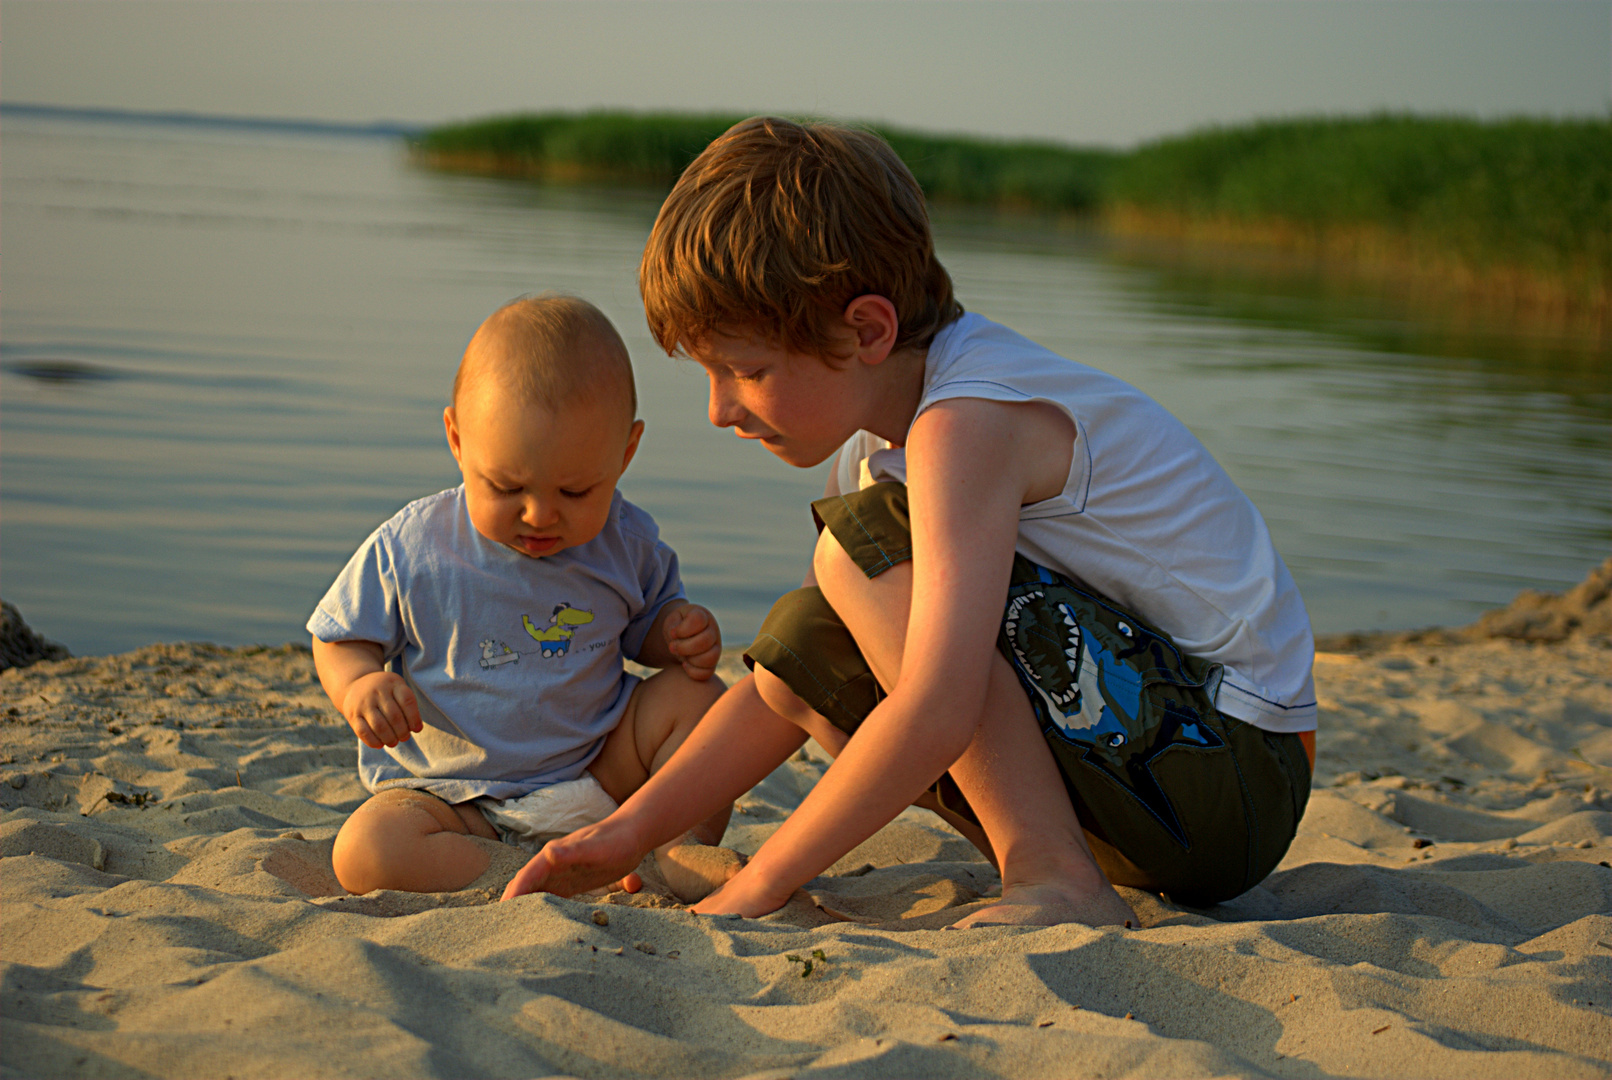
529 879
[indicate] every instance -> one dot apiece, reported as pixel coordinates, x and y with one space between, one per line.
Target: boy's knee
778 697
832 566
846 583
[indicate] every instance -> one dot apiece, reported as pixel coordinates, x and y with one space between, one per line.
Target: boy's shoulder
973 341
974 357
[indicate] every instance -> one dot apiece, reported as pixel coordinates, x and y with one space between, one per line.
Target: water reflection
226 355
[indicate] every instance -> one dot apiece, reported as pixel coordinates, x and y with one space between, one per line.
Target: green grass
1527 195
649 148
1028 175
656 148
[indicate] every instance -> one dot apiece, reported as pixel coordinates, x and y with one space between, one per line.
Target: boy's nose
723 410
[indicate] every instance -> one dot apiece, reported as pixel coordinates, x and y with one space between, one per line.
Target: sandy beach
169 908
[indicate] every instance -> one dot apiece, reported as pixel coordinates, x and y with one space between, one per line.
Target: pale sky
1113 72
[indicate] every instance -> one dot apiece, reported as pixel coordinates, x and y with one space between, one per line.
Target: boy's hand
693 639
744 894
604 853
381 710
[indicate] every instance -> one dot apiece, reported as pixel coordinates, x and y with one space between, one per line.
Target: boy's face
794 404
539 481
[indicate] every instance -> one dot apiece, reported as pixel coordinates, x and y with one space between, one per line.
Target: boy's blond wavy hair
777 226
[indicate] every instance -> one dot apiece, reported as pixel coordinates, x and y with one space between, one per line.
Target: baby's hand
381 710
692 636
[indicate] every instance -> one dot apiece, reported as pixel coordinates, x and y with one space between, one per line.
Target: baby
475 641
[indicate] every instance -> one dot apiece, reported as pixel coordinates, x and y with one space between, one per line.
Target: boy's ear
874 320
450 424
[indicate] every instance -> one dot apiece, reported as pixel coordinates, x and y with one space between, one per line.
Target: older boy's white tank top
1147 518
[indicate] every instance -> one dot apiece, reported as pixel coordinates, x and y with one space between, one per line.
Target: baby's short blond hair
549 350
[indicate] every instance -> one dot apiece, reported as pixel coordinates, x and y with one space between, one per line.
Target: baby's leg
413 841
663 711
1007 774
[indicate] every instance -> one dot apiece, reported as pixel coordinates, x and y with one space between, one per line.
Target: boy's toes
1044 906
694 871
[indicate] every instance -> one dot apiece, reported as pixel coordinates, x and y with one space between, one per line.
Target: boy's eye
500 490
575 494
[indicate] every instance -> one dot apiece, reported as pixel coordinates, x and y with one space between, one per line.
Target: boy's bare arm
683 633
965 487
736 744
377 705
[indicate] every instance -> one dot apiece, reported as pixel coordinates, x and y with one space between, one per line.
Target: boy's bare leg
663 711
411 840
783 701
738 743
1007 773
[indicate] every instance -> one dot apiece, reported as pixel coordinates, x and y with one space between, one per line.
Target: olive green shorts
1174 796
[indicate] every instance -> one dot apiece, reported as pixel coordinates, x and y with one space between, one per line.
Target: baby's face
538 481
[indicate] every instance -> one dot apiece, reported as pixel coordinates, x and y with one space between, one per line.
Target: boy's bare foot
1049 905
694 870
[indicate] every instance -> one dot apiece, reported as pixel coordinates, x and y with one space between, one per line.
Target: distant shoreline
386 129
1511 216
1515 213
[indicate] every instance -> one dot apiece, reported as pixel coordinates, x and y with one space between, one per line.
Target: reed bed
1520 207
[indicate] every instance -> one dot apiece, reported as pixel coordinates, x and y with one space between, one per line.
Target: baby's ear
450 425
633 436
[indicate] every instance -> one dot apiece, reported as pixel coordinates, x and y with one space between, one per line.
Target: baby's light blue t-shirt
516 662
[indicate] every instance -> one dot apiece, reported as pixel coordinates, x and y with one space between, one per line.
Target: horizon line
186 118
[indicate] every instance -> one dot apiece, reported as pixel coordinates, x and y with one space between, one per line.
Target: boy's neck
900 382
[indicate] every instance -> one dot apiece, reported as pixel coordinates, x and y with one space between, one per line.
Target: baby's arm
378 705
683 633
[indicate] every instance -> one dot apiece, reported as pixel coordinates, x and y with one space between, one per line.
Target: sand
169 908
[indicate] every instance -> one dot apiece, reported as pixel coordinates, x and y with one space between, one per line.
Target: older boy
1032 582
475 642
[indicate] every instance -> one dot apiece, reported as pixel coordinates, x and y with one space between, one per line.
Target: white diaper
533 819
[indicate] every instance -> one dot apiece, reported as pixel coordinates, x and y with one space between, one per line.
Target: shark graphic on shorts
1102 682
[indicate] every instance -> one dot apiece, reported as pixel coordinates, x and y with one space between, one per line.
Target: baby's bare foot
1049 905
694 871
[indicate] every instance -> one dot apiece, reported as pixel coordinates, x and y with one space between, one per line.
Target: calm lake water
225 356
